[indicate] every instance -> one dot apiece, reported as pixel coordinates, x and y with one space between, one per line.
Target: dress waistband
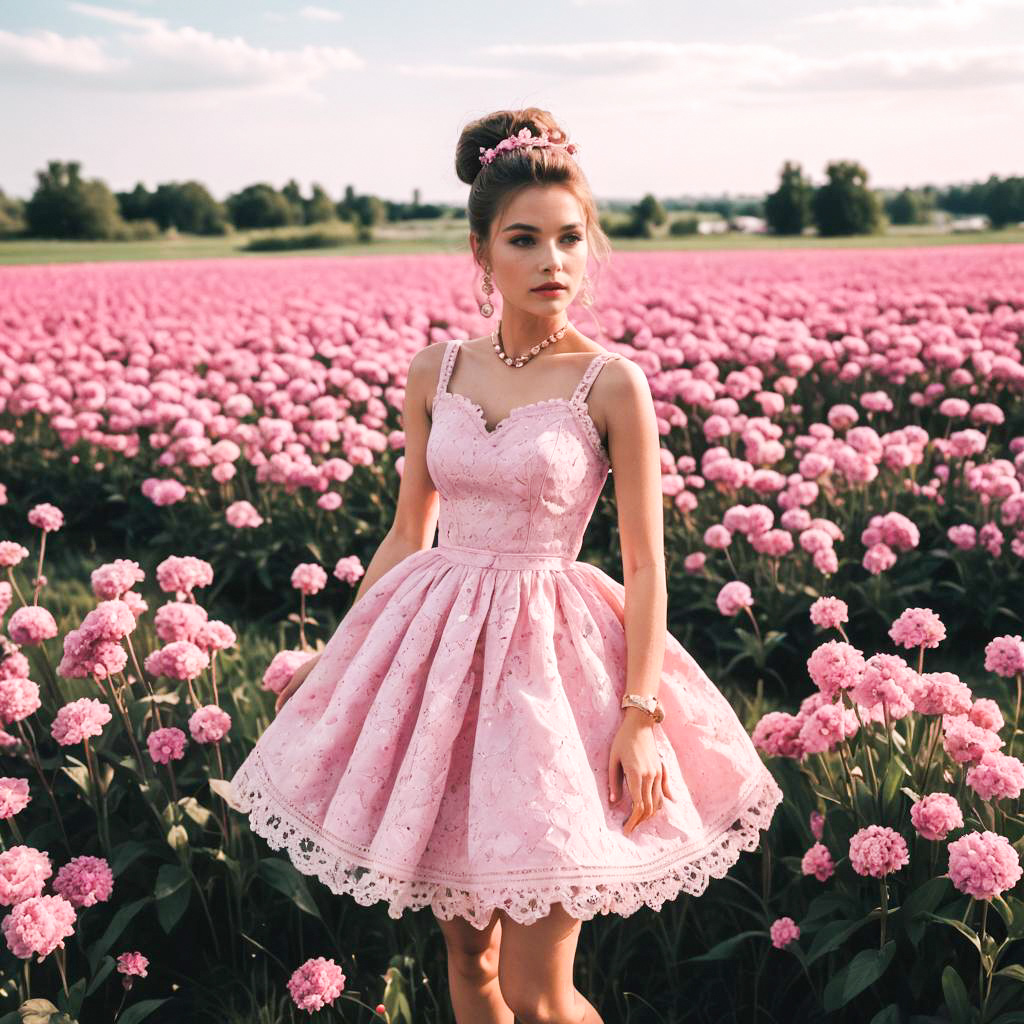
504 559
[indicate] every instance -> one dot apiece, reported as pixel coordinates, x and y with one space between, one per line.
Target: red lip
549 288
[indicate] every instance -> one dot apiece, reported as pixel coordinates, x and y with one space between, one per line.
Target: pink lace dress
450 748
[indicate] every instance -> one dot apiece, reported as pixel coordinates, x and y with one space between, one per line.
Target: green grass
451 236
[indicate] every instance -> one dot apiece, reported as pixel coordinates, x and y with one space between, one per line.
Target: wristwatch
644 703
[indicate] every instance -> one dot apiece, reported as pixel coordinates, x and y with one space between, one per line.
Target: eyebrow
530 227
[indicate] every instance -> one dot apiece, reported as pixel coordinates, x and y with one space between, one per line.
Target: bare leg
473 971
535 970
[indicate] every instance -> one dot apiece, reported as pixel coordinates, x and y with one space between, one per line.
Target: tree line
66 205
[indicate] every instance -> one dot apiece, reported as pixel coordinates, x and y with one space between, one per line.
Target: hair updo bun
493 185
490 130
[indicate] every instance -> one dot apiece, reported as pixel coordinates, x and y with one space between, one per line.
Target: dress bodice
529 485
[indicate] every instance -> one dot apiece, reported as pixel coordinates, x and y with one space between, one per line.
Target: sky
674 97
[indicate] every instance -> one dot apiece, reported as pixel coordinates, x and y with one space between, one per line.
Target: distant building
712 227
750 225
979 222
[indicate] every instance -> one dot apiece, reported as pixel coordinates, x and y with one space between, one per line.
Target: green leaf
725 949
101 975
894 775
1014 971
833 935
117 925
1014 1017
956 996
862 971
140 1011
889 1015
172 893
78 773
283 876
967 933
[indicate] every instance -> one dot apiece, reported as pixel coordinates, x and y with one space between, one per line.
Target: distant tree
369 210
1004 201
320 206
135 205
187 207
645 215
845 205
259 206
907 207
64 205
12 216
293 194
788 209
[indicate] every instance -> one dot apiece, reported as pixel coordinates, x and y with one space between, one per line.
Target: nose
551 260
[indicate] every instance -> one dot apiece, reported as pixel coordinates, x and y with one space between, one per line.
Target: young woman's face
540 237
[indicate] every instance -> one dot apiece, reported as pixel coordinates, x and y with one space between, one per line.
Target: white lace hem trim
525 901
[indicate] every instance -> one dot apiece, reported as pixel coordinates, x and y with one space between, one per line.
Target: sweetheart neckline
480 418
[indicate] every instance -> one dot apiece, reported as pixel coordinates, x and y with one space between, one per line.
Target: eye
527 238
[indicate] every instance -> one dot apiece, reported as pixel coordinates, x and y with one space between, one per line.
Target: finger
648 789
613 779
666 788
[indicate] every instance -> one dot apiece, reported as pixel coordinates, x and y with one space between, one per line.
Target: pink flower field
842 456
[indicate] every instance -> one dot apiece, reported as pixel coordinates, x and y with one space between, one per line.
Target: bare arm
416 512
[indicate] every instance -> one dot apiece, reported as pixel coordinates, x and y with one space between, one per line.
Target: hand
635 752
297 679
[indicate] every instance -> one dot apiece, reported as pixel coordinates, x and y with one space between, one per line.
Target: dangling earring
587 299
486 309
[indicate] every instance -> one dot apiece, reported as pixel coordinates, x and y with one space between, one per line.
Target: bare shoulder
423 374
623 382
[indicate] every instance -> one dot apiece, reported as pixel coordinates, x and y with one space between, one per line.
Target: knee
474 966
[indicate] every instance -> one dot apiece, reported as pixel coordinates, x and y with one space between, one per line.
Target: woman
461 741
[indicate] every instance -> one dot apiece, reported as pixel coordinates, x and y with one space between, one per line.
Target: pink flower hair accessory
523 139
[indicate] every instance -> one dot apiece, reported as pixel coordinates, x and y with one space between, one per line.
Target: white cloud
891 17
455 71
160 58
48 50
320 13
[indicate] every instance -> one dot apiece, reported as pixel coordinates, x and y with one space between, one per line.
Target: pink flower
878 558
14 796
47 517
215 635
330 501
163 492
11 553
180 659
349 569
38 925
79 719
242 515
23 873
179 620
935 815
85 881
777 733
886 677
986 713
829 612
917 627
180 575
966 742
825 727
309 577
817 824
694 561
983 864
166 744
835 665
963 535
717 536
316 984
941 693
281 669
783 931
1005 655
132 964
878 850
996 776
31 625
110 581
19 698
734 596
15 665
209 724
818 861
109 620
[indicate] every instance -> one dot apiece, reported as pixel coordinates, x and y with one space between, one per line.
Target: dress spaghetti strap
586 381
451 350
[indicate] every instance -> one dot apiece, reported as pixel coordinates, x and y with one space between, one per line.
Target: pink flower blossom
14 796
47 517
986 713
132 964
878 558
983 864
316 984
180 575
835 665
110 581
242 515
936 815
878 850
79 719
818 861
886 678
777 733
23 873
282 667
825 727
694 562
1005 655
209 724
963 536
179 620
817 824
180 659
166 744
30 625
966 742
941 693
19 698
996 776
917 627
733 597
309 577
829 612
11 553
38 925
85 881
348 569
783 931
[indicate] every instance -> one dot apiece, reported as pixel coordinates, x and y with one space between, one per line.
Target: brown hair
493 185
